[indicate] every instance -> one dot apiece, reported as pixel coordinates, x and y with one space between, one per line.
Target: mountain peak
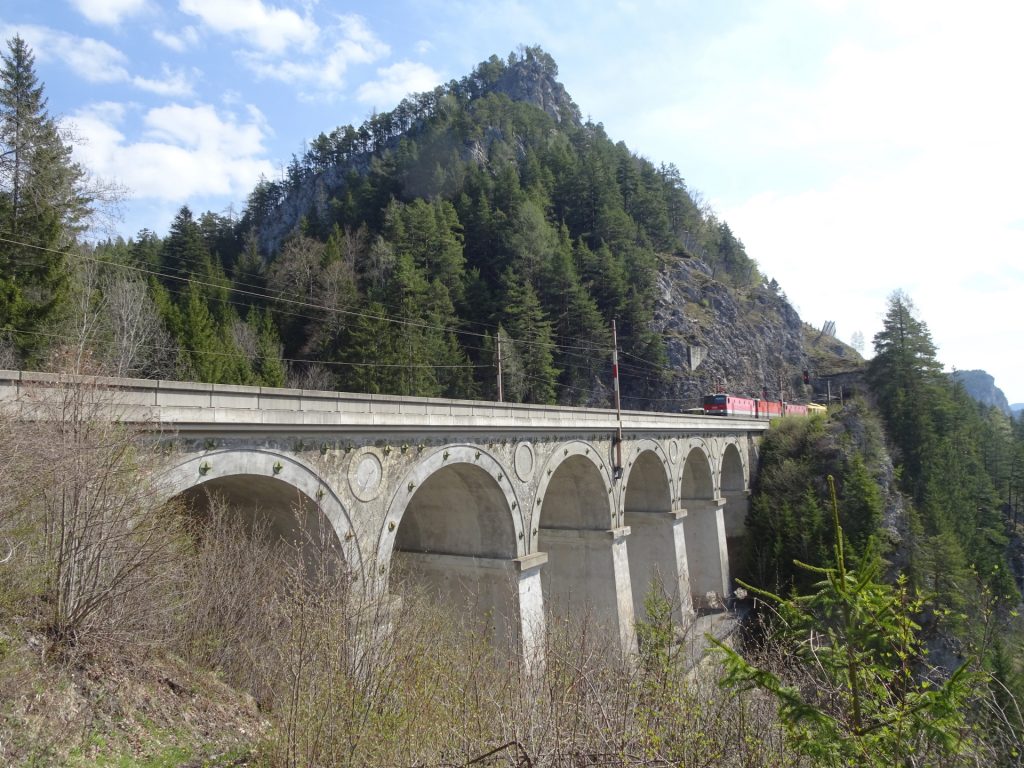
531 75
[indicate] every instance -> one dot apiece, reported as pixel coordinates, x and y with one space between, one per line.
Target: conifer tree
530 331
184 252
43 203
574 316
903 375
860 696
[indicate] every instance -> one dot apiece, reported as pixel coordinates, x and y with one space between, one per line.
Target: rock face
533 79
313 195
982 387
729 340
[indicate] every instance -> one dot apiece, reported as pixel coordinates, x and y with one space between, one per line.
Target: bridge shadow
275 510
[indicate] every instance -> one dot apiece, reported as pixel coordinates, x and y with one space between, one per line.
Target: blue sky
854 147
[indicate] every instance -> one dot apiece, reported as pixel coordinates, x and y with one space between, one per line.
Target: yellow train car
813 408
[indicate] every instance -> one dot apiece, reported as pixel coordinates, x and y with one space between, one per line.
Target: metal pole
617 470
501 391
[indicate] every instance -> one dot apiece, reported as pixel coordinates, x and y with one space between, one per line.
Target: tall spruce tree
42 203
903 374
530 331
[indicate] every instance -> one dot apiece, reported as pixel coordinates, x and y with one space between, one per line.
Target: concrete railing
193 405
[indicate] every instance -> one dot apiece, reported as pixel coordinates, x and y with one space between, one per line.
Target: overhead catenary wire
253 291
258 356
566 348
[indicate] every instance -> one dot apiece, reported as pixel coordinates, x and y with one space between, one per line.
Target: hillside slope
529 194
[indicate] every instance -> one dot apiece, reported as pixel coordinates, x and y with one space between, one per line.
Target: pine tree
184 253
857 696
268 365
575 316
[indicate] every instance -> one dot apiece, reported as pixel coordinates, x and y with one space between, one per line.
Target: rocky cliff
982 387
533 79
725 339
740 340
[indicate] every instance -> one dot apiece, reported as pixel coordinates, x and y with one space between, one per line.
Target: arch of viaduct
519 508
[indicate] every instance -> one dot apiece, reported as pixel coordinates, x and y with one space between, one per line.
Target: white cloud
90 59
935 225
322 73
187 38
185 152
109 11
93 60
397 81
99 62
272 30
174 83
880 150
423 47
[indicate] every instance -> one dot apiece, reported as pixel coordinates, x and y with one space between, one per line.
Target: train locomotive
721 404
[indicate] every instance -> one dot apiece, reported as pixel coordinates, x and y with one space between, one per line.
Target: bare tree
9 359
87 313
294 273
113 325
140 344
312 376
94 532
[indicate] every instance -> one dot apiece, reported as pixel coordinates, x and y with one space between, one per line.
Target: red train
730 405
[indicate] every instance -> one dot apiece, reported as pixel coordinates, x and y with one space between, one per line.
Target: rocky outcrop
982 387
743 340
533 79
748 339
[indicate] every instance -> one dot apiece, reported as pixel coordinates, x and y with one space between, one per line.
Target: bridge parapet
191 405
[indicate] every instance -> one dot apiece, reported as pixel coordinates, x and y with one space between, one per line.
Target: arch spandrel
575 490
458 472
250 470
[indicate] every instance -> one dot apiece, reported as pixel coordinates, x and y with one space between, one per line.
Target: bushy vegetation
859 688
789 518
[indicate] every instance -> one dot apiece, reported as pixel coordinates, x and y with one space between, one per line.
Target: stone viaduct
522 508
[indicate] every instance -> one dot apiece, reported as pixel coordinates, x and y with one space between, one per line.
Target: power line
308 304
233 287
258 356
